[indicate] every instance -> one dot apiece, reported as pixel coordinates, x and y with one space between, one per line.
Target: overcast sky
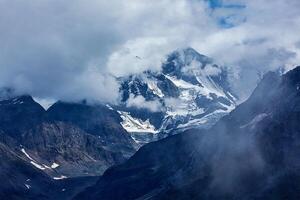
71 50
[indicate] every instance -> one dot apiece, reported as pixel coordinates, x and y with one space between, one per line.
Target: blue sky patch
215 4
230 20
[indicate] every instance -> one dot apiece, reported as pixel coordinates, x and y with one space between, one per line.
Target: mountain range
67 140
177 133
252 153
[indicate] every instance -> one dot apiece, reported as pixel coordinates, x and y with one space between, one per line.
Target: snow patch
60 178
27 186
154 88
181 83
133 125
109 107
233 97
37 165
203 120
17 101
34 162
26 154
47 167
54 165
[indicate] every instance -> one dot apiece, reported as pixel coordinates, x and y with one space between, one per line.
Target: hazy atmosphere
73 50
150 100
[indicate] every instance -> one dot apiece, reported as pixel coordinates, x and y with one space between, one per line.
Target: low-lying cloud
140 102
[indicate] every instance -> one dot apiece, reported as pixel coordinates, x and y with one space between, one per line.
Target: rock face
16 175
67 140
253 153
98 121
21 180
190 91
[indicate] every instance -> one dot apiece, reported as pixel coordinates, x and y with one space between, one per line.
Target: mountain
19 177
252 153
68 140
21 180
190 91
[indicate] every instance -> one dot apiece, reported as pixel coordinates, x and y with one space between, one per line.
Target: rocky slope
18 177
253 153
67 140
22 180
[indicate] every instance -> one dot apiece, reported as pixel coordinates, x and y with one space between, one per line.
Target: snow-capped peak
191 89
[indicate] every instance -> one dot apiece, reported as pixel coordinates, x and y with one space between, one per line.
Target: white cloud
265 41
138 55
66 49
140 102
209 70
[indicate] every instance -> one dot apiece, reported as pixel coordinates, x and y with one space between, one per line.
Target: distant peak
190 50
181 58
187 55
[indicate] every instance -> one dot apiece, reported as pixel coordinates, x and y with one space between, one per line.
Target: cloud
140 102
74 49
137 56
209 70
257 44
55 49
229 166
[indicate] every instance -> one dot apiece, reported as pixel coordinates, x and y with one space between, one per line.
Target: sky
72 50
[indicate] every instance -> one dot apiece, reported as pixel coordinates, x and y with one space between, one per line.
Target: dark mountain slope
67 140
97 120
19 114
253 153
20 180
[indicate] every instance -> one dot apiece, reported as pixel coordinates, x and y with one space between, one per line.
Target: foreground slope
23 181
253 153
19 179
